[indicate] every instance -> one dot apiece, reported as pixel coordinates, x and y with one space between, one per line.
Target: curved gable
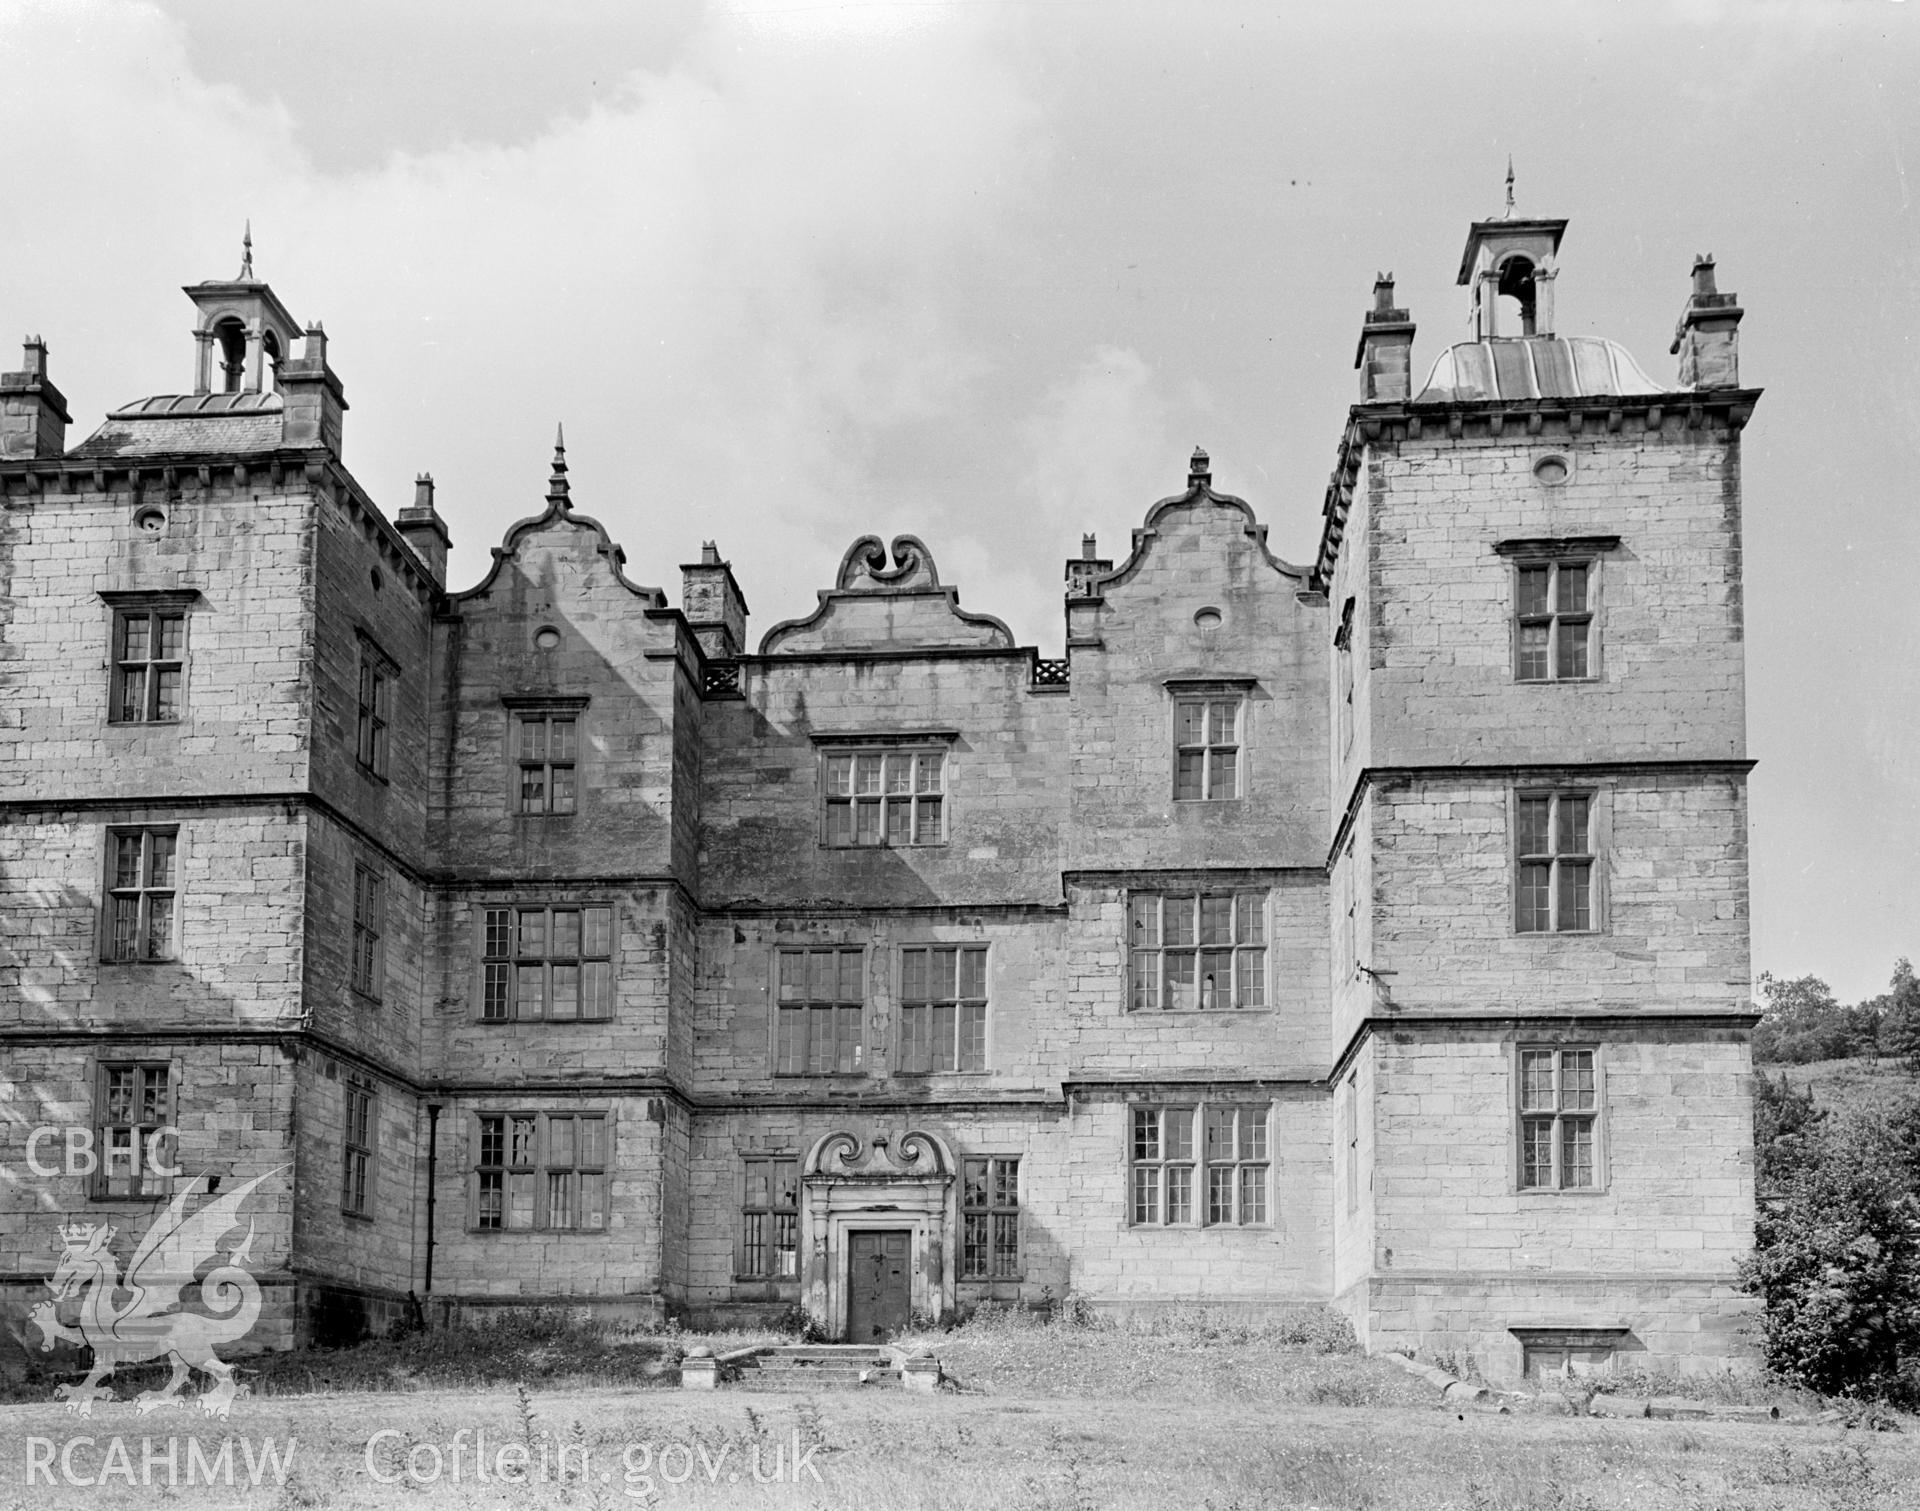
876 607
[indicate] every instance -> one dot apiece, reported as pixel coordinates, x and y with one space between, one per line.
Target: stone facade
1194 968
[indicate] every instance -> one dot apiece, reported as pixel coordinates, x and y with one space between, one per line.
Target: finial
1199 469
1509 214
246 254
557 493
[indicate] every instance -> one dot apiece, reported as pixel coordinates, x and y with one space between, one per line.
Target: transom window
990 1218
547 754
541 1170
550 963
943 1008
1554 621
885 797
1198 951
1163 1165
770 1219
1206 761
142 883
1559 1116
374 710
358 1149
369 921
149 664
135 1104
817 1015
1554 871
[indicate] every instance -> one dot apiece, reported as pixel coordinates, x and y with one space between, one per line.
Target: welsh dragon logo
151 1322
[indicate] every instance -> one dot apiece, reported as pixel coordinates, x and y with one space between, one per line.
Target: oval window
1207 619
546 638
376 579
1551 469
151 520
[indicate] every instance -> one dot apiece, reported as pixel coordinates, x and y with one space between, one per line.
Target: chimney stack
422 528
314 399
1707 339
715 608
1385 353
33 413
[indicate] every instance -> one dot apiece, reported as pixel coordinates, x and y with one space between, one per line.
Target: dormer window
1517 283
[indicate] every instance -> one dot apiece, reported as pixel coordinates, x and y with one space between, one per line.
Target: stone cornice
1556 418
1540 1020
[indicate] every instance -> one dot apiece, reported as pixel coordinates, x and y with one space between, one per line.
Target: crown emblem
82 1232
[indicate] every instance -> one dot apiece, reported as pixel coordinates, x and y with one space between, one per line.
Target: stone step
811 1379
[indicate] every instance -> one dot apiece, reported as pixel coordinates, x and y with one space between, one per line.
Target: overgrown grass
540 1347
1187 1353
1848 1085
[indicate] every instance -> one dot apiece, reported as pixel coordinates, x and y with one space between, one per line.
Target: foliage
1783 1120
1837 1255
1800 1021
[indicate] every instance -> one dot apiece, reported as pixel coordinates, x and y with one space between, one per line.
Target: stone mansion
1370 932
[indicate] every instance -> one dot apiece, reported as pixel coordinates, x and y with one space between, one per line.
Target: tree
1900 1014
1800 1022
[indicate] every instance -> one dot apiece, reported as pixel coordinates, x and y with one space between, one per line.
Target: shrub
1837 1259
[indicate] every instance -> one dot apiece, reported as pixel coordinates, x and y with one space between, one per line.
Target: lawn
1044 1417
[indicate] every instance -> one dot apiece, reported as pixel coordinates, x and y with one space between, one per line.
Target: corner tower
1539 843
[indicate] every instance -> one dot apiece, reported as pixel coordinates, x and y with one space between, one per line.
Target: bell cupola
243 333
1508 264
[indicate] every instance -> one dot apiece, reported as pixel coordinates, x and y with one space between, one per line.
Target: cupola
1508 265
243 333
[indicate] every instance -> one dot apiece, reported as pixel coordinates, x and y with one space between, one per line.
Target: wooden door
879 1291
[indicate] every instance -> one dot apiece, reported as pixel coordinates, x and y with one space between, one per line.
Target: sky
986 271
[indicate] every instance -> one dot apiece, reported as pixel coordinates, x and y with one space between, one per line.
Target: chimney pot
1089 548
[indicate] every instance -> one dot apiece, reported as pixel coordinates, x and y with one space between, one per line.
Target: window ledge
1200 1012
353 1216
1577 1192
1557 681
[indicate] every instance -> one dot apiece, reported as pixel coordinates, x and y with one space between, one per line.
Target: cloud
734 283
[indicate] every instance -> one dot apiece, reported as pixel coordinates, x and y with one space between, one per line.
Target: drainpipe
433 1182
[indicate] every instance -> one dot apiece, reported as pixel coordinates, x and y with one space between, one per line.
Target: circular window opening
1207 619
376 579
151 520
1552 469
546 638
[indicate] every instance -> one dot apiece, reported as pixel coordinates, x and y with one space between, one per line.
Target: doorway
879 1285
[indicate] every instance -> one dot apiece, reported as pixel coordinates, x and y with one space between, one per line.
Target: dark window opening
232 338
1517 284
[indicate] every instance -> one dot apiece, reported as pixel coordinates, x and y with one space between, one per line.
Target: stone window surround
1555 552
1197 1196
902 1006
360 1134
1186 690
770 1212
539 1169
862 1059
367 960
514 906
153 1188
1602 1171
375 673
1599 835
1199 889
886 742
110 836
123 603
991 1212
520 708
